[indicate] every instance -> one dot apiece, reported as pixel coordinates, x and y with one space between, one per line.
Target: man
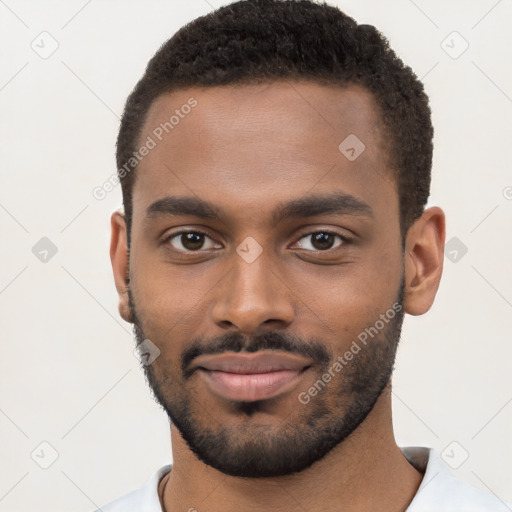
275 163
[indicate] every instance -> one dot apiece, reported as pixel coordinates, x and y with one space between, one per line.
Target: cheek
171 300
162 287
350 299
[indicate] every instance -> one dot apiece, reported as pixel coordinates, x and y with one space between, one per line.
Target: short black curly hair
255 41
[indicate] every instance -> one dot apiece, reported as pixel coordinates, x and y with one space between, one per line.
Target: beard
253 449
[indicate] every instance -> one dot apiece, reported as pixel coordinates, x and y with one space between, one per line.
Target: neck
367 471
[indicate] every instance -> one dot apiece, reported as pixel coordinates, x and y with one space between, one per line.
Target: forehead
252 143
290 109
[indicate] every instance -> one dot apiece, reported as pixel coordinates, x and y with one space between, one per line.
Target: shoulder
440 491
143 499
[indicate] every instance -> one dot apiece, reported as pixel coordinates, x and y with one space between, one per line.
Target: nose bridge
252 294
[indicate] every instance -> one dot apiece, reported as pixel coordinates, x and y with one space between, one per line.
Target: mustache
237 342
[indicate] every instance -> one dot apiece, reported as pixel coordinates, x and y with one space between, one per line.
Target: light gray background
67 370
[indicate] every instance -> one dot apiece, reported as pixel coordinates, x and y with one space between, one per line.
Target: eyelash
344 239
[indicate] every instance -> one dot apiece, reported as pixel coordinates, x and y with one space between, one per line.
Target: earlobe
424 256
120 266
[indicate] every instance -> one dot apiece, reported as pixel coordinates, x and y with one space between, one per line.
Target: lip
251 377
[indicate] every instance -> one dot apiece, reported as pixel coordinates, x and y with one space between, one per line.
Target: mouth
251 377
253 386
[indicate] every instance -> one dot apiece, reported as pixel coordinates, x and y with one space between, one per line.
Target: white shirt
439 490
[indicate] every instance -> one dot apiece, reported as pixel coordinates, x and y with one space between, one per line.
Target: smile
251 377
250 387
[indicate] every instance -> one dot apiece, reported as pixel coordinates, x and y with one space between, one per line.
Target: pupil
192 241
322 240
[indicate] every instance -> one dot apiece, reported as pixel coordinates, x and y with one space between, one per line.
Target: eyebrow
335 203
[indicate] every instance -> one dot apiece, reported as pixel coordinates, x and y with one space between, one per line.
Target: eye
189 241
322 241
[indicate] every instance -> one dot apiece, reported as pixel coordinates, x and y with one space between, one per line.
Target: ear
119 259
424 257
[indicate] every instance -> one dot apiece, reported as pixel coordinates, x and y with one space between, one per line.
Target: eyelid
346 239
329 231
184 231
167 237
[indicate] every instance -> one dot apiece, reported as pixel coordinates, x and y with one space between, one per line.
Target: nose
251 296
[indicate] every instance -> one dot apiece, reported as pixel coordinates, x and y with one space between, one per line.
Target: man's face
298 255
